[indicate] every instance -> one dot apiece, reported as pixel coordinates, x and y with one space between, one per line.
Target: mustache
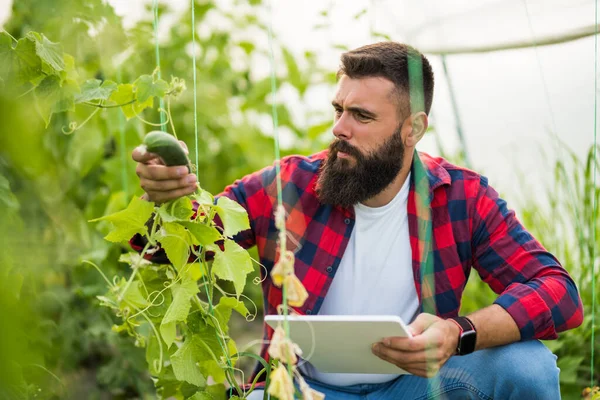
343 146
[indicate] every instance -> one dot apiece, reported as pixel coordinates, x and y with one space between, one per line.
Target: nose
342 128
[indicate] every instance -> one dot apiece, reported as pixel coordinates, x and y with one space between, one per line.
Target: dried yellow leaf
283 348
296 293
281 385
283 267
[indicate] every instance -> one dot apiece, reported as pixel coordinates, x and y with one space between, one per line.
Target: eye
362 117
338 112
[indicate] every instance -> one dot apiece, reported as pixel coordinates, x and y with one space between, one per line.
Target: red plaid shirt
469 227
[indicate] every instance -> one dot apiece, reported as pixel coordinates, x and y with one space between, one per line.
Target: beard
343 184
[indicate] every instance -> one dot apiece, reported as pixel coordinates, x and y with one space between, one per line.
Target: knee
528 368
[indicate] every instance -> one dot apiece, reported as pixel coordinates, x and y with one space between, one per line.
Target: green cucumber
167 147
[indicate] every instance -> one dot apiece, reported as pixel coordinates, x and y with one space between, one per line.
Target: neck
388 194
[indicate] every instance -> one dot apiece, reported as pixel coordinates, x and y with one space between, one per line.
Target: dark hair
392 61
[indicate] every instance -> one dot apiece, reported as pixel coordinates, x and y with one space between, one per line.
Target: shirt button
329 269
347 221
308 312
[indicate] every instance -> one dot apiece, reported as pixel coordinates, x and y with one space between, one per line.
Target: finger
161 172
141 155
421 323
150 185
403 357
404 344
162 197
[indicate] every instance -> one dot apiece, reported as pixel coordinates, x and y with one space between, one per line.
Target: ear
418 124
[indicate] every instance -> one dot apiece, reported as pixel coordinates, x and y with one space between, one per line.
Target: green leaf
133 296
186 359
176 241
223 312
130 221
294 75
204 197
180 209
197 359
20 64
317 130
233 215
569 366
53 97
50 52
234 264
233 304
83 154
146 87
179 308
248 47
94 89
204 234
202 396
125 94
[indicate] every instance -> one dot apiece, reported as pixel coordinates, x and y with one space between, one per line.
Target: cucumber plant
177 310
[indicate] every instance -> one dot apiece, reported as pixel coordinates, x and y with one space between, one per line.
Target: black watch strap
467 337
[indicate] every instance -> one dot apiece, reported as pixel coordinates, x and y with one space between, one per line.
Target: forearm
495 327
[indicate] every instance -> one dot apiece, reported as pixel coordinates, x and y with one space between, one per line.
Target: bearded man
353 210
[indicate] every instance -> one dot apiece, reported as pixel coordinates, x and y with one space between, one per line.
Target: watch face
467 342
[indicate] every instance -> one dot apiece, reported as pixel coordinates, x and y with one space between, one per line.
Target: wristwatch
467 336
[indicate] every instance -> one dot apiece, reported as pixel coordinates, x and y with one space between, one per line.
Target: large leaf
94 89
233 215
234 264
179 308
125 94
176 241
20 64
185 361
180 209
205 235
133 296
223 311
130 221
52 96
193 362
146 87
50 52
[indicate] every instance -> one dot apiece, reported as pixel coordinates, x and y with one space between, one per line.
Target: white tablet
342 343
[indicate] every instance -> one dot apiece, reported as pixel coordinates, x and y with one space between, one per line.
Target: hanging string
594 197
163 122
209 296
123 147
195 90
283 234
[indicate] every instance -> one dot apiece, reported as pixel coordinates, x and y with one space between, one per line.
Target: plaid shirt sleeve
534 288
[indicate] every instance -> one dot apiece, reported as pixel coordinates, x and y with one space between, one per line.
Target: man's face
368 151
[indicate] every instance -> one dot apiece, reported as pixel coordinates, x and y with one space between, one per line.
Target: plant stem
11 36
100 105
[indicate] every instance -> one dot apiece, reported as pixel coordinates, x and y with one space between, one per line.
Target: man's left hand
434 341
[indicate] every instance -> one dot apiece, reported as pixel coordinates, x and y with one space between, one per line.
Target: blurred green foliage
55 342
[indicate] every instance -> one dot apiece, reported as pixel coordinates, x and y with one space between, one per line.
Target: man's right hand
162 183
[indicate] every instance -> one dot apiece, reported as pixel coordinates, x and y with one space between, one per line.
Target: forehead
373 91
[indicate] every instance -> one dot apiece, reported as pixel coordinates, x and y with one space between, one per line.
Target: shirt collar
437 175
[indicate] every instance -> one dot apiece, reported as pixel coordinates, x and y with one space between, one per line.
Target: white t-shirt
375 276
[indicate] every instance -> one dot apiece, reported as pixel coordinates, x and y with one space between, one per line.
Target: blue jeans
522 370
